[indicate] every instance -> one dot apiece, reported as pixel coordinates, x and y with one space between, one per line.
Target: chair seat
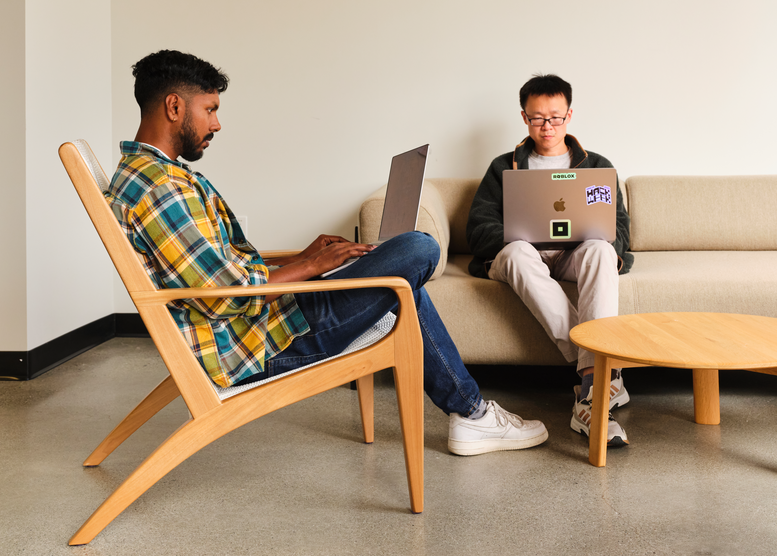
378 331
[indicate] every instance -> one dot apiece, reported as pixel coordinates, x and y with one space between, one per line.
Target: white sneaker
496 430
618 395
581 421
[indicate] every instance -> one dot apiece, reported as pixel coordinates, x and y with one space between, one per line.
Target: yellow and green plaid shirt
187 237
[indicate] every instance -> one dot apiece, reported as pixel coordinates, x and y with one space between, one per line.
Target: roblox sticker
598 194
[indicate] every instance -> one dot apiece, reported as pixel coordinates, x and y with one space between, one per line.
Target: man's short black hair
545 85
169 71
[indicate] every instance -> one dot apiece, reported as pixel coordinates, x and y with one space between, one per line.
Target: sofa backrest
702 213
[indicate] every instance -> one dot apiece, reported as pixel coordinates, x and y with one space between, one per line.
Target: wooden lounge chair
216 411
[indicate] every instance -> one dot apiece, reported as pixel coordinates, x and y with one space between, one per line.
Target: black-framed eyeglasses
539 122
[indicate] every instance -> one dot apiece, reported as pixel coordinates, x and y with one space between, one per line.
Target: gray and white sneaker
496 430
581 421
618 395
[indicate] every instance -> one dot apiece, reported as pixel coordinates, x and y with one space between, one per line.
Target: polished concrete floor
300 481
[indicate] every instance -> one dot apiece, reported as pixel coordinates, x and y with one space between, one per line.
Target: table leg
706 396
600 409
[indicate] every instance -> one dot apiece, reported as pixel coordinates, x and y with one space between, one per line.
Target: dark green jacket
485 227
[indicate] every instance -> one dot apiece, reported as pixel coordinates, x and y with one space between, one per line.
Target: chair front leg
164 393
410 397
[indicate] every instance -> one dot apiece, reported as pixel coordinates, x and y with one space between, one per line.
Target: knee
518 253
598 251
420 245
515 261
422 248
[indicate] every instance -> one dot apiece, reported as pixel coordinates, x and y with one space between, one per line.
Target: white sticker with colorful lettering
598 194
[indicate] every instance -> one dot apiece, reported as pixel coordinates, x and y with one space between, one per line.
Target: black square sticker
560 229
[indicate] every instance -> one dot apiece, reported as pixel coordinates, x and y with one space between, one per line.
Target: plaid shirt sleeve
188 237
190 248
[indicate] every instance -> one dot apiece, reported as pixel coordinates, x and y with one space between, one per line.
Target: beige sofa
701 243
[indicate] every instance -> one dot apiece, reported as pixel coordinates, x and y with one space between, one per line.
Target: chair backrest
90 181
87 176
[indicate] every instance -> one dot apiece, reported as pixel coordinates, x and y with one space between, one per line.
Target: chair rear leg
365 387
165 392
410 397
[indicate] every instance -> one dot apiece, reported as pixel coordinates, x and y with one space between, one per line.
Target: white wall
323 93
13 332
68 96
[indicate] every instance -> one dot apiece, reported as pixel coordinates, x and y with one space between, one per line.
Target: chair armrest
432 219
161 297
279 253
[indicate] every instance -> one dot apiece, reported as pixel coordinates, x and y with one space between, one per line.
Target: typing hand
335 254
320 243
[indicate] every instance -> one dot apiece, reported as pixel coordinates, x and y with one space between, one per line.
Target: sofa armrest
432 219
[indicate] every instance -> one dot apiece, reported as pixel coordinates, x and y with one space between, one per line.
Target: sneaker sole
476 447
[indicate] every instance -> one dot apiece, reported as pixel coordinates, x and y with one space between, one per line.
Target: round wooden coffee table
704 342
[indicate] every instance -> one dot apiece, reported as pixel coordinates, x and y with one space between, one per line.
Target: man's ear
569 116
174 106
523 115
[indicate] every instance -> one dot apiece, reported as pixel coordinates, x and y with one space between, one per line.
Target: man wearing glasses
546 109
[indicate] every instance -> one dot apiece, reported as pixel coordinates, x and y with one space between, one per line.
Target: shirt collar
137 148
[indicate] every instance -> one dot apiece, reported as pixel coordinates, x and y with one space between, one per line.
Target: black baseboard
26 365
130 325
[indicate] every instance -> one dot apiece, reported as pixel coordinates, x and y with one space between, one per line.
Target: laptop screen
403 193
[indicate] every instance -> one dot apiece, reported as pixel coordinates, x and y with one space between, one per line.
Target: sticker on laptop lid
598 194
564 176
560 229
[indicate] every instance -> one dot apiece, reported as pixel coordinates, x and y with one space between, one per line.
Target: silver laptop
403 197
403 193
559 209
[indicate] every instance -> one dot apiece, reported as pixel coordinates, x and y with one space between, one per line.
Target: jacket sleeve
622 241
485 226
622 225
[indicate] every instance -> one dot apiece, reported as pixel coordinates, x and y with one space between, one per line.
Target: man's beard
190 146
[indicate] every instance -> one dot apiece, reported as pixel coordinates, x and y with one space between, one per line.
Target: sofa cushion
491 325
710 281
690 213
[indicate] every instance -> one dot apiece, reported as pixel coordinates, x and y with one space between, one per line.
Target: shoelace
503 417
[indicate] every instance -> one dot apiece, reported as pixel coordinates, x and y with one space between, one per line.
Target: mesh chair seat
372 335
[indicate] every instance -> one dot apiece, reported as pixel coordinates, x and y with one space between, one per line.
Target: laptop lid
559 209
403 193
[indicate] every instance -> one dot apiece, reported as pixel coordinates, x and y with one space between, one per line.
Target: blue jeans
337 318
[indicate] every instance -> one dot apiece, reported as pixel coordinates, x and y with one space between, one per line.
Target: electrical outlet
243 221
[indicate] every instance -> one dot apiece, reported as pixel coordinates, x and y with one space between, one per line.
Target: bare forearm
283 261
297 271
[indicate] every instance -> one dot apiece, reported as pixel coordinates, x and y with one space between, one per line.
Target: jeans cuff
474 408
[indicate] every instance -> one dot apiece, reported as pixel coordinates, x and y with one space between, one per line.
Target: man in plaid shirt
187 236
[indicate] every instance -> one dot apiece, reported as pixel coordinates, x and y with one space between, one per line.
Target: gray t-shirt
560 162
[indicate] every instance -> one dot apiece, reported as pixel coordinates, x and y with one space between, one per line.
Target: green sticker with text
567 176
